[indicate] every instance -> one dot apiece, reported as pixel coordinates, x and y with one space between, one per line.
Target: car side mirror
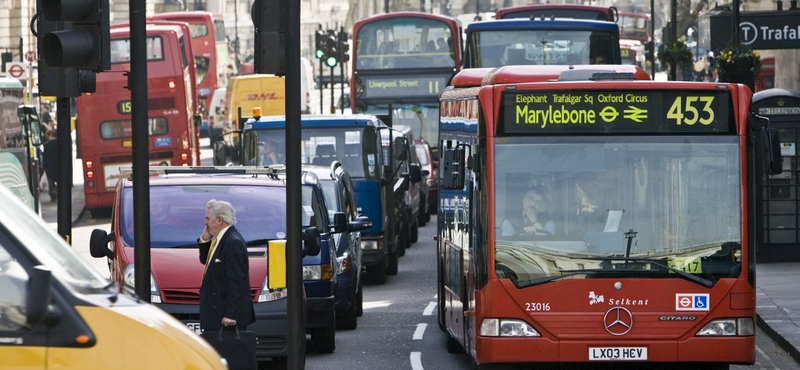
339 222
311 241
38 300
415 173
98 244
360 223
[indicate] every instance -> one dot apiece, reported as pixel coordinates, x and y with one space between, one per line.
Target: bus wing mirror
30 119
400 148
453 168
415 173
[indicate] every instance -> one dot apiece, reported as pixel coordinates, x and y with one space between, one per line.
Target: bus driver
534 219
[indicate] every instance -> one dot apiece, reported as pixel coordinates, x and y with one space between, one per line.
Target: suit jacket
225 289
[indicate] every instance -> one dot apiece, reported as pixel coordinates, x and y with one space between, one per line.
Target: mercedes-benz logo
618 321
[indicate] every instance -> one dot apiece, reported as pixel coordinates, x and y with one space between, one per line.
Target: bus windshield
497 48
354 147
405 43
595 202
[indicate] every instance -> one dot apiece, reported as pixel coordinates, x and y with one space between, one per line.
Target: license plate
194 326
617 353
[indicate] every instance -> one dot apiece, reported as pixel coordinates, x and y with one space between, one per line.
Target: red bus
599 219
634 26
105 120
400 64
211 57
597 13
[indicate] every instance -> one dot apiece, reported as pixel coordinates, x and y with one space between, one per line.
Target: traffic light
344 47
74 34
319 44
331 51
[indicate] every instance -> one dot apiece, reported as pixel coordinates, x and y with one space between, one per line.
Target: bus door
778 232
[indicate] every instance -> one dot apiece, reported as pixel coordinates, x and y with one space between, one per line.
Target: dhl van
56 311
247 92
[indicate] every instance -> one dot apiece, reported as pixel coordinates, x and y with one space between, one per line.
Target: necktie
210 256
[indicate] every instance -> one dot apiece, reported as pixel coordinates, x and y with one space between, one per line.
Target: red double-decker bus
597 13
105 116
596 219
634 26
401 62
211 57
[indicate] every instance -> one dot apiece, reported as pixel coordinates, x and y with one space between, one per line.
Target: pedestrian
225 299
50 163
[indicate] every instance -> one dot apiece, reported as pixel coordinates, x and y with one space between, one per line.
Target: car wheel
423 210
392 268
349 320
360 301
323 340
377 273
414 232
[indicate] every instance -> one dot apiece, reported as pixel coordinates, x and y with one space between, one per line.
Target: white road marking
416 361
429 310
419 332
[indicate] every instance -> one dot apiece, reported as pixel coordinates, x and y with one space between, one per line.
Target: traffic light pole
333 106
64 177
321 92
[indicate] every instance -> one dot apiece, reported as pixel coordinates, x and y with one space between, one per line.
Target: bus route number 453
617 353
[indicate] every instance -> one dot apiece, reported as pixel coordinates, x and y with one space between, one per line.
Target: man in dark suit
225 289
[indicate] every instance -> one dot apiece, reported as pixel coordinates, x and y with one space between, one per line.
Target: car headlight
371 244
507 328
430 182
267 295
317 272
741 327
129 284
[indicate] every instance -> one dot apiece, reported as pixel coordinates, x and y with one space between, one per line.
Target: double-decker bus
211 57
105 132
597 13
503 42
400 64
18 170
600 220
634 26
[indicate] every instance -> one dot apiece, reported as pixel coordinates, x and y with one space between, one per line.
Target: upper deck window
404 43
545 47
121 49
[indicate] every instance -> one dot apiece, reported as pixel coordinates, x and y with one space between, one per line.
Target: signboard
403 86
616 112
16 70
758 30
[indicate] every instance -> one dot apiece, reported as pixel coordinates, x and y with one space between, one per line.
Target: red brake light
89 174
171 84
88 164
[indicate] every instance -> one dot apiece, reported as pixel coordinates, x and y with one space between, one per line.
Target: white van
306 84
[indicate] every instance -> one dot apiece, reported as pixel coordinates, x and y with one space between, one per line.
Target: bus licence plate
194 326
617 353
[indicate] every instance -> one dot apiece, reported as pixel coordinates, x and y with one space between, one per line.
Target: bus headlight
507 328
266 295
129 284
367 245
741 327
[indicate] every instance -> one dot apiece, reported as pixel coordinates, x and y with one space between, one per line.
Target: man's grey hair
223 210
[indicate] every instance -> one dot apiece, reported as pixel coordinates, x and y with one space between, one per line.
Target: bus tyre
323 340
453 346
377 273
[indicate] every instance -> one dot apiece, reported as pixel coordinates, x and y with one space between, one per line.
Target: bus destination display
650 111
405 86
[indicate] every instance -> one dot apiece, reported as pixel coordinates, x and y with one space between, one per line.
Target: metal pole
137 81
320 84
236 33
332 106
673 16
652 44
64 177
296 339
735 23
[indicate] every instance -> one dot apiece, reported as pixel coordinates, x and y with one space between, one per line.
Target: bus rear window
121 49
122 129
198 29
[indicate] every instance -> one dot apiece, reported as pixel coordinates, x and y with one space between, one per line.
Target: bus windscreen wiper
547 279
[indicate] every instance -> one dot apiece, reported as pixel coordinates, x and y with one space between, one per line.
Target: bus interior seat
326 153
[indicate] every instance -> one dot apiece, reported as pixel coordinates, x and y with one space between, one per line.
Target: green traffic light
331 61
320 54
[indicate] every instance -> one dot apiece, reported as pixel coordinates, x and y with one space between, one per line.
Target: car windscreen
177 212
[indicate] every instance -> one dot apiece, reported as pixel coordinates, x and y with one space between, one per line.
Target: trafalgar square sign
761 30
